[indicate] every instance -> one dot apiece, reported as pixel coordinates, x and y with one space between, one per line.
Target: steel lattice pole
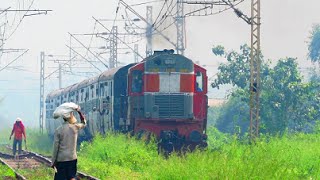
113 61
149 31
255 65
41 119
180 28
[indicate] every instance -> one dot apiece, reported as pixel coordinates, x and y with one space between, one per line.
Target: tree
314 44
286 102
236 71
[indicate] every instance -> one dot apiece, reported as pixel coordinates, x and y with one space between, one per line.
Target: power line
14 60
148 2
88 50
84 58
117 37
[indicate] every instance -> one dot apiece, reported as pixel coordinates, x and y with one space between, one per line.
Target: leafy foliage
235 72
234 114
218 50
286 101
314 44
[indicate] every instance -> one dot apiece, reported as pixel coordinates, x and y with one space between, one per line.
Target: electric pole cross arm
118 38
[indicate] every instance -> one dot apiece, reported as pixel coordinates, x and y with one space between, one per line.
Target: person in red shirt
18 130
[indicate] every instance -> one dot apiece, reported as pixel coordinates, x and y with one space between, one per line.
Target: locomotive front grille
170 106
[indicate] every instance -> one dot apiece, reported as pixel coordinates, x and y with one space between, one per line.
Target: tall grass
39 173
36 141
5 172
118 156
121 157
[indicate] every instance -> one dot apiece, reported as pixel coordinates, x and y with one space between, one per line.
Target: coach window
82 95
97 91
87 94
92 91
102 90
199 82
136 83
77 96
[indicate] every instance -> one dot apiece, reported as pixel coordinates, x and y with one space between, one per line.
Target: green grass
40 173
118 156
40 143
122 157
37 142
5 172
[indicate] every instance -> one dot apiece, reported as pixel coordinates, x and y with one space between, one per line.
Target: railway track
31 160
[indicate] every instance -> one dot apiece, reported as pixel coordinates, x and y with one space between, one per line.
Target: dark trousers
14 148
66 170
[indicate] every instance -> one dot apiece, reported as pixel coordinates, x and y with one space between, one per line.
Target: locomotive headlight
195 136
147 114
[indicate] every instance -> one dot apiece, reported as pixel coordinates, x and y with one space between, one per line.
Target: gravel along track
31 161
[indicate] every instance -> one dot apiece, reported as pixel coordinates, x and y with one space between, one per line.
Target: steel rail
39 158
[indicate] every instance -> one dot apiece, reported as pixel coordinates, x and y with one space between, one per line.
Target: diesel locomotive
164 95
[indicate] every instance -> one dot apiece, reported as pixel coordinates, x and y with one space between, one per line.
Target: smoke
6 125
164 22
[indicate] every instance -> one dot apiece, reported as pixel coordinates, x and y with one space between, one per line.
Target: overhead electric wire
20 21
89 50
115 18
89 46
213 13
118 37
14 60
85 58
165 2
160 23
148 2
5 11
57 69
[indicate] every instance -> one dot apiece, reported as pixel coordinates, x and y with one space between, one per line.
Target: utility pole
255 57
60 75
136 50
255 65
180 28
113 61
42 101
70 53
149 31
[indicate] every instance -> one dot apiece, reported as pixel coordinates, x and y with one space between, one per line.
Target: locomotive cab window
136 83
199 82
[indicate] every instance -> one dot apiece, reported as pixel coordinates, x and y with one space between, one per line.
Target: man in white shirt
64 157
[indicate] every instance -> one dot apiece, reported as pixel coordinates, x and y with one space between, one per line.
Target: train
164 95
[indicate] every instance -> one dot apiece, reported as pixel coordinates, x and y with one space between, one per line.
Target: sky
286 26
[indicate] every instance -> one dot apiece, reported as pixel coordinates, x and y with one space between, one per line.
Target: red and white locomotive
163 95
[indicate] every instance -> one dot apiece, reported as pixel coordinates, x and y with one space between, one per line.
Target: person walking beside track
64 157
18 130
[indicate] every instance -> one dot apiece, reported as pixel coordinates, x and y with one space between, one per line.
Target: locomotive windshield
199 82
136 85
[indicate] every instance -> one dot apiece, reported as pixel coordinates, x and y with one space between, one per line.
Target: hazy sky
285 29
